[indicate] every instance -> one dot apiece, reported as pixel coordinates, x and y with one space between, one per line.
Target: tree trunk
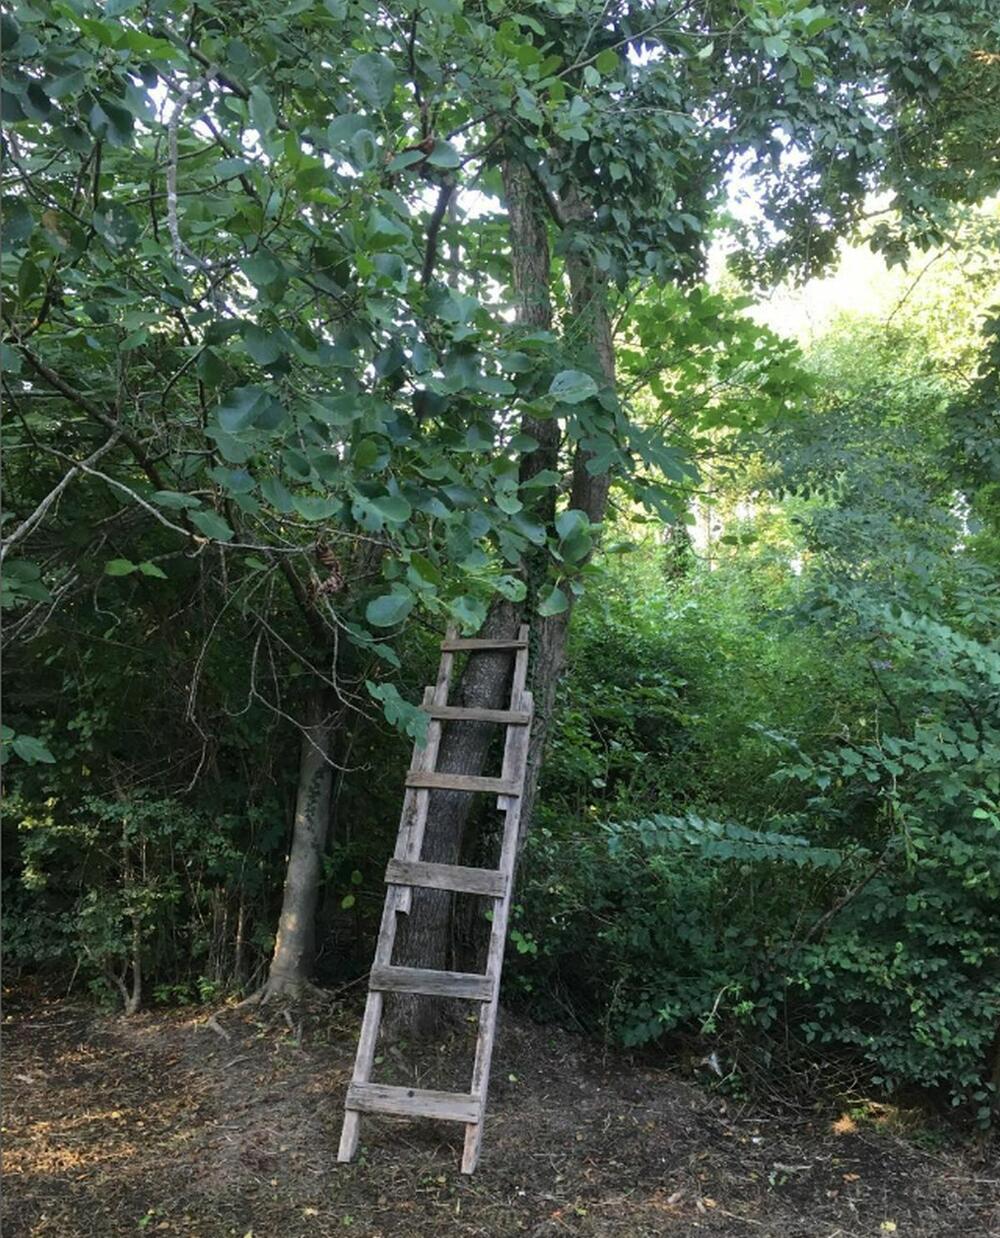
294 945
425 938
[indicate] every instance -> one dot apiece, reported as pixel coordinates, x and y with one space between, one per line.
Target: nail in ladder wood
406 869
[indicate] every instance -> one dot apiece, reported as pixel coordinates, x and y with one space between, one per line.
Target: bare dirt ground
162 1124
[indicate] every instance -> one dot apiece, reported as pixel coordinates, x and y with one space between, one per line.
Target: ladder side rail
514 768
486 1035
417 800
409 843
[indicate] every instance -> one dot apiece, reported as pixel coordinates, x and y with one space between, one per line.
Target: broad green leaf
212 525
119 567
239 408
365 454
374 78
469 611
552 601
312 507
32 750
425 569
265 347
151 569
389 609
277 494
261 270
393 507
572 386
10 360
262 115
444 155
511 587
571 521
341 130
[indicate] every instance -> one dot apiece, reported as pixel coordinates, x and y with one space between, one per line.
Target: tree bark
425 938
294 945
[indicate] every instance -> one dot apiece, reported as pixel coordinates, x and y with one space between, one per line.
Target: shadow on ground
166 1124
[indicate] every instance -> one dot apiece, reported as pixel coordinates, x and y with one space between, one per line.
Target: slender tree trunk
294 945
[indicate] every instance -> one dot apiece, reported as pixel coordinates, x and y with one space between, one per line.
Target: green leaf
265 347
342 129
10 360
239 408
311 507
111 123
401 714
261 270
571 521
365 454
444 156
119 567
552 602
572 386
374 77
389 609
262 115
227 168
542 480
511 587
425 569
151 569
469 611
212 526
277 494
393 507
175 500
606 61
32 750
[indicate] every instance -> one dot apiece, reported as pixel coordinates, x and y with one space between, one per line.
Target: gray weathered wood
514 766
472 644
432 983
467 713
487 881
414 1102
407 870
462 782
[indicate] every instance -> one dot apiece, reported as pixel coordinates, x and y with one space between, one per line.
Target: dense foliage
282 400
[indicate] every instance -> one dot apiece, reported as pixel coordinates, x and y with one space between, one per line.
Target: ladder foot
349 1136
473 1142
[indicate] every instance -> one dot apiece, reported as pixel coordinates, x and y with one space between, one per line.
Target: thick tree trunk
425 938
295 942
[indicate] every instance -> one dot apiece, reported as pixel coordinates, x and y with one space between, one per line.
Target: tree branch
433 228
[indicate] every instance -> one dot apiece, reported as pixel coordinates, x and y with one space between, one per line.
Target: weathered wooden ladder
406 869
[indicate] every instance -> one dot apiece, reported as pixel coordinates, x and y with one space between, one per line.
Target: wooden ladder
406 870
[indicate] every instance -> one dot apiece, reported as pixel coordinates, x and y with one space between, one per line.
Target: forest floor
164 1124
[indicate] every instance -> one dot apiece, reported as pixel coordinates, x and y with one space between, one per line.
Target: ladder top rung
488 881
459 645
461 782
414 1102
388 979
469 713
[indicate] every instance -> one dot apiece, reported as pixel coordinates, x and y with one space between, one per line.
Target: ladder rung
432 983
461 782
461 713
458 646
414 1102
488 881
